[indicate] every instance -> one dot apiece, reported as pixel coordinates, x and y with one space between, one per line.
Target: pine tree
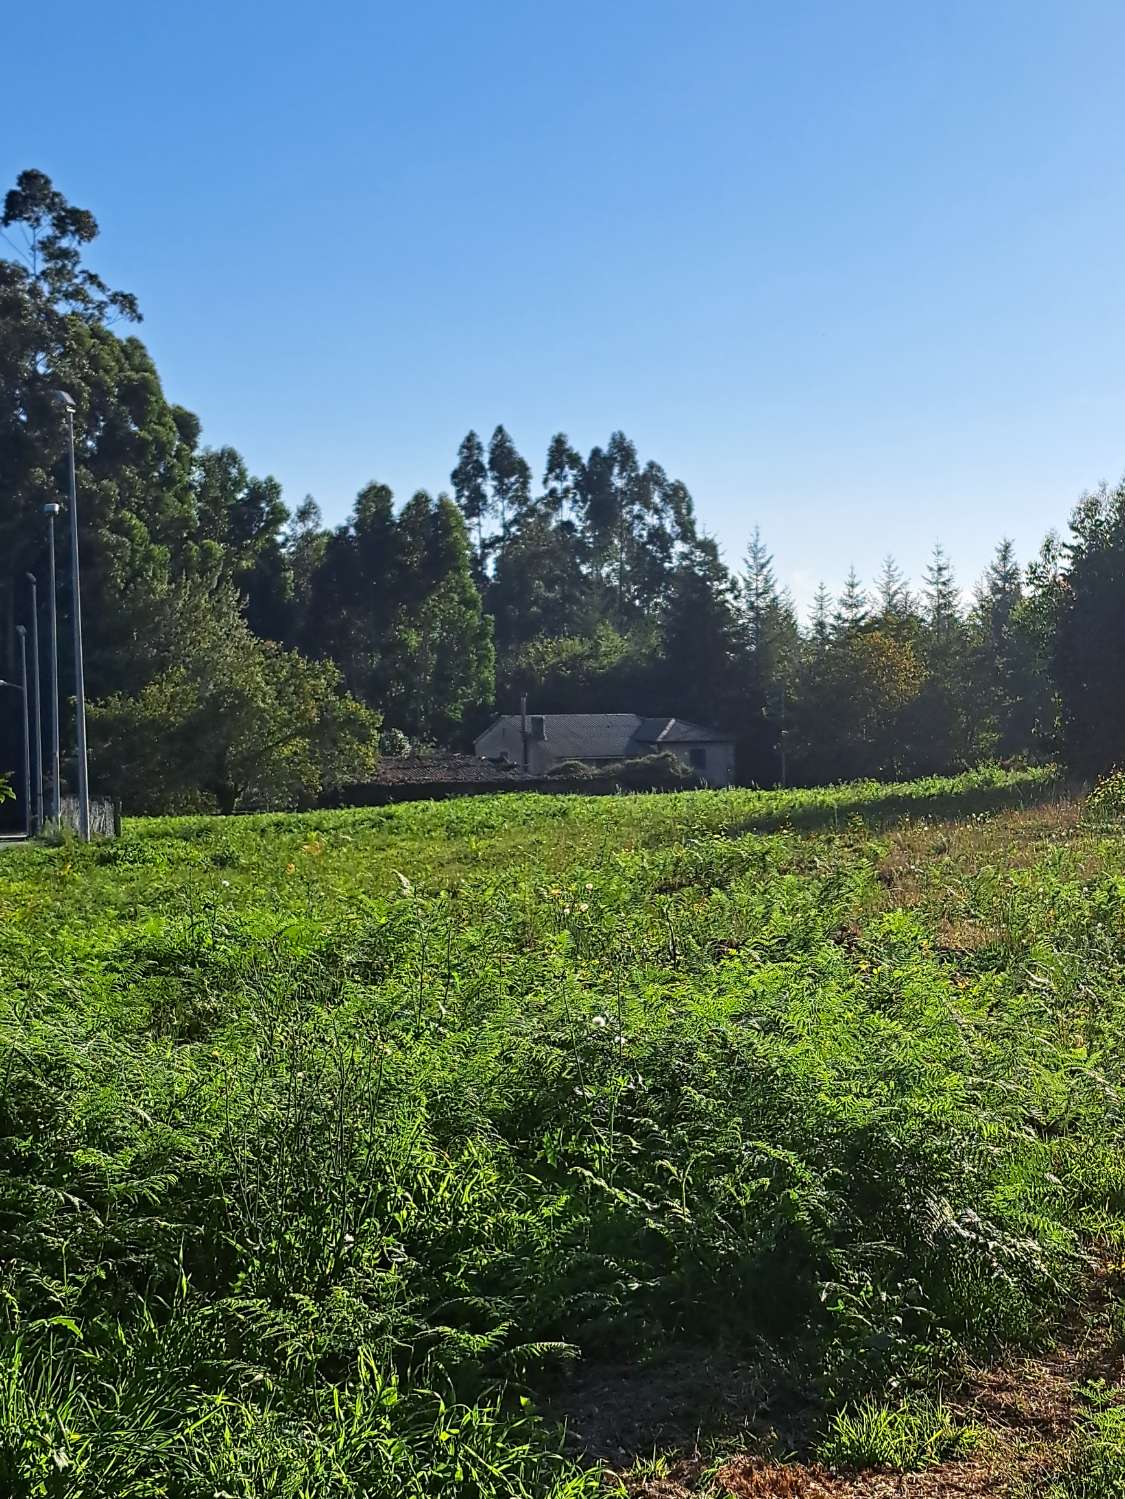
851 612
940 725
699 668
820 624
895 603
941 597
1003 695
1088 628
759 594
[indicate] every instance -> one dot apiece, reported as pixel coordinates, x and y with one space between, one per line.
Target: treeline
238 652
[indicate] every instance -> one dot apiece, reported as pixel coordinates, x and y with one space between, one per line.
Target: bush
1106 803
663 772
394 742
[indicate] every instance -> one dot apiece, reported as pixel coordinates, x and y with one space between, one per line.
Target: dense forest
239 651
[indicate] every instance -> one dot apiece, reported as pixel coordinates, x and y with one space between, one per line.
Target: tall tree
563 479
353 592
134 448
894 607
771 654
510 479
636 523
241 520
852 611
820 624
938 727
1089 625
305 543
701 638
470 489
1005 696
538 586
438 666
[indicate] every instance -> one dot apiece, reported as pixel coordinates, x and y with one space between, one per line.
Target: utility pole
36 706
50 511
76 606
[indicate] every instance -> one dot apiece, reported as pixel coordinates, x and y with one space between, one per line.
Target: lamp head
30 578
52 507
21 631
63 399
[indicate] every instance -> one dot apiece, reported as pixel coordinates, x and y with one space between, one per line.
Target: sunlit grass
331 1142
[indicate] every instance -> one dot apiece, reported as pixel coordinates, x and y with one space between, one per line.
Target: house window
698 755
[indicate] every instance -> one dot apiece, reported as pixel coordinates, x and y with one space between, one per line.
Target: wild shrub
1106 802
414 1107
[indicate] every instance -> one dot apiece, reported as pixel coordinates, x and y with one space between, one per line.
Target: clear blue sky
854 272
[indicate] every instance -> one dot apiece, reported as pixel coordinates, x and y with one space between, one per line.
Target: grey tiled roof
614 736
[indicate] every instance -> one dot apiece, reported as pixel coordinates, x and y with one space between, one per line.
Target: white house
541 741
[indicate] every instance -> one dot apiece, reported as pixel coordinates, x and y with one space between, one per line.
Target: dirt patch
625 1413
1026 1410
752 1478
756 1478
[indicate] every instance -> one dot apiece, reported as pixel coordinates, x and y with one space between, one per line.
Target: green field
362 1152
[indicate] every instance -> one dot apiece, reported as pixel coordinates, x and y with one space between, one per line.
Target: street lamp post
76 606
50 511
35 707
21 631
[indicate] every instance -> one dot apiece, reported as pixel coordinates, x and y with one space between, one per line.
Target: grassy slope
326 1140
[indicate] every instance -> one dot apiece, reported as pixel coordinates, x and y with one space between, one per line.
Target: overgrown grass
1096 1466
916 1433
328 1143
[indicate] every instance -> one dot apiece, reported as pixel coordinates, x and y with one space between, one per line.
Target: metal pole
21 631
37 706
79 668
53 621
781 738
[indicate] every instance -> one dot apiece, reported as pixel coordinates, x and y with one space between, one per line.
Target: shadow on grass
837 807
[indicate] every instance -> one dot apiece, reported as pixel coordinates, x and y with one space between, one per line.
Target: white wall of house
505 738
715 762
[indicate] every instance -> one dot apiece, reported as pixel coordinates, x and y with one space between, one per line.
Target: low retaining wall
105 815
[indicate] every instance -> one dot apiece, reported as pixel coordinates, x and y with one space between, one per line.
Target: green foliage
1096 1468
590 590
916 1433
1088 614
325 1140
6 792
234 720
393 742
643 773
1106 802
